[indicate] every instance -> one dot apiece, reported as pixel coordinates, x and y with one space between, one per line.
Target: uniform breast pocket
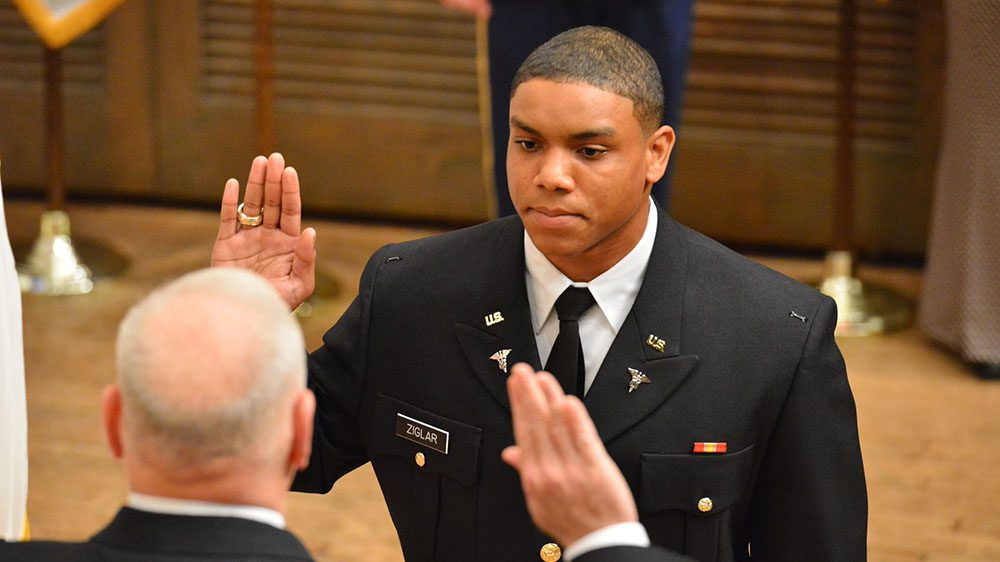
427 466
693 492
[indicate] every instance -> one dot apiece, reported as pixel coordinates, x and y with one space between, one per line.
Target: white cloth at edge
614 290
13 413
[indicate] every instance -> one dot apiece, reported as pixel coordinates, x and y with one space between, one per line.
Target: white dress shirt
622 534
614 292
175 506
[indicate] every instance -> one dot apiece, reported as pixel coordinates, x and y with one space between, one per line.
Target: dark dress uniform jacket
142 536
748 359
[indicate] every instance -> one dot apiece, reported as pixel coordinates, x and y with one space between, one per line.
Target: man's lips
552 217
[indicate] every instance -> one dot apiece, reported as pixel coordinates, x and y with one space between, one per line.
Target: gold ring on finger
247 220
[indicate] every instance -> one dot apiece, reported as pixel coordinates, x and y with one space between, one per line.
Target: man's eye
527 144
591 152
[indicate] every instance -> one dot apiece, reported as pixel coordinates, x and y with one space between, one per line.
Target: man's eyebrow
524 127
582 135
591 133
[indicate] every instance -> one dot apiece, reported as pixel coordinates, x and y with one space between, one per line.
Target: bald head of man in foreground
211 403
211 417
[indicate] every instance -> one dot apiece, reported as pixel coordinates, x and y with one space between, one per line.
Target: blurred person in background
960 304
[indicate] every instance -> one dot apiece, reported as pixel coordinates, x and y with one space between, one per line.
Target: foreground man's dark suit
749 359
152 537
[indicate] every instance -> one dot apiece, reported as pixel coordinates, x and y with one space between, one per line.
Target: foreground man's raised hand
265 236
574 490
571 485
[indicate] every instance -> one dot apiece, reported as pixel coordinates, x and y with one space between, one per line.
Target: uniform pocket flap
435 444
697 483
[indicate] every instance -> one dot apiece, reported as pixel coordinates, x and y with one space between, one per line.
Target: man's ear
658 148
111 413
303 412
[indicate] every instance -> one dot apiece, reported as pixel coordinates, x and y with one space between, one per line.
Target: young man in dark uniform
714 383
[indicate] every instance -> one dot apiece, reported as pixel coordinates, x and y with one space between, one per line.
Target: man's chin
555 246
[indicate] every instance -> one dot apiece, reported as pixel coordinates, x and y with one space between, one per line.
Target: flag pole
327 286
863 308
53 267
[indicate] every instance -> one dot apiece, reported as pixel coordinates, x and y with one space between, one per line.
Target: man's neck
232 485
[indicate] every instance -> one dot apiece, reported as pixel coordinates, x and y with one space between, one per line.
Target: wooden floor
930 432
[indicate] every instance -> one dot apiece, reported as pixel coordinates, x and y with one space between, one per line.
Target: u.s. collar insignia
494 318
656 343
638 377
501 358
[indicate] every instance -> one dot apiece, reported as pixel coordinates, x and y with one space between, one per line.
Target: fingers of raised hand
227 216
478 7
559 438
254 195
528 410
272 189
581 430
291 203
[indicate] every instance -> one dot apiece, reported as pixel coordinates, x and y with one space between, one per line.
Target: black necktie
566 359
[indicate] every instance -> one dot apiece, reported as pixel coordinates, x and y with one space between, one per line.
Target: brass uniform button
420 459
550 552
705 505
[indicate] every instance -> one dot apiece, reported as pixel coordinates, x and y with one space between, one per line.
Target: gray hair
206 362
602 58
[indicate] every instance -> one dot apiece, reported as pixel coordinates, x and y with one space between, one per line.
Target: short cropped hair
602 58
205 364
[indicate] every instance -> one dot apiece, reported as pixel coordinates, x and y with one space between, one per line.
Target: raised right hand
476 7
571 484
277 249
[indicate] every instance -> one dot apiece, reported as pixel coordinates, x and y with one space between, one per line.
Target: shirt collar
176 506
614 290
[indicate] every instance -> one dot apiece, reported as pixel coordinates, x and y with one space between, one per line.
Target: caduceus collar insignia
501 358
637 378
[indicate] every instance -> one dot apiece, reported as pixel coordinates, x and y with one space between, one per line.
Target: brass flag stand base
53 267
55 264
863 309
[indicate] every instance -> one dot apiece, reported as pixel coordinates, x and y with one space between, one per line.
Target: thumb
512 456
304 263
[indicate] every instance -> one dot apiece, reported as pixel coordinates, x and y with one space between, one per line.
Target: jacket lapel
656 315
500 320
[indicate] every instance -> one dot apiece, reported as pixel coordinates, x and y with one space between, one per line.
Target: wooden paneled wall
376 105
755 157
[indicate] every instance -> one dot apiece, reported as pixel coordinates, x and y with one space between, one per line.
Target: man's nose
556 171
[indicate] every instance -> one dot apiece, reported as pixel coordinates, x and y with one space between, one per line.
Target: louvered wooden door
22 96
754 162
375 103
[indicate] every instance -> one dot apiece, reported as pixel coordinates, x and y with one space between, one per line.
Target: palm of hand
268 252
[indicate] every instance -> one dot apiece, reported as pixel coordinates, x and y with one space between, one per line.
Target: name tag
422 433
